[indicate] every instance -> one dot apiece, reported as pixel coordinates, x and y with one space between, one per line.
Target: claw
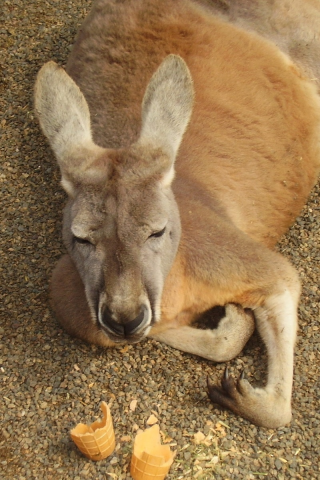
222 395
242 377
211 386
216 394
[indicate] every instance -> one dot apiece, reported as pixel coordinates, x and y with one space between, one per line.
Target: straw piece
96 441
150 459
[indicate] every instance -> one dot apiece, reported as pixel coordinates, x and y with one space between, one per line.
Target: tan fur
177 209
292 25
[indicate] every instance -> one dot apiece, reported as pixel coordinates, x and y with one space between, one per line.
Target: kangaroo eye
81 241
158 234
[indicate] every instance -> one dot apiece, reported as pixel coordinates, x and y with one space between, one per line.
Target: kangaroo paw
260 406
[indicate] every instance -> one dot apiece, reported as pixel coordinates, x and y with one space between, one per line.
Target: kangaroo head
121 223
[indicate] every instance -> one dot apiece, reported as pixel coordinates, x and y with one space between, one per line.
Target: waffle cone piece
150 459
96 441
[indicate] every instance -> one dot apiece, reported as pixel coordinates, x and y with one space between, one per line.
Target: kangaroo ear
65 120
167 106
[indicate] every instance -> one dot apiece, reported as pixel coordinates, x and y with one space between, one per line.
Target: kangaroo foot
267 407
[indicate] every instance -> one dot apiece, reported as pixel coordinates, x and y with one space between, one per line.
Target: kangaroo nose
125 329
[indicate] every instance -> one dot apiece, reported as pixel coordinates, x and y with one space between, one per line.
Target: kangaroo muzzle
126 329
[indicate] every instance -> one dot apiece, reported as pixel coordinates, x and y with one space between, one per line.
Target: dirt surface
50 382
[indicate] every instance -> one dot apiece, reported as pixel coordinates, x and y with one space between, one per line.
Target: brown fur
245 167
251 119
292 25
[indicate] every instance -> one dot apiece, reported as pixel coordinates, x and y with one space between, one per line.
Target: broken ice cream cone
150 459
96 441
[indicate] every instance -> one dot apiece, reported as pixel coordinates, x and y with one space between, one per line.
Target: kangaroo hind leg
270 406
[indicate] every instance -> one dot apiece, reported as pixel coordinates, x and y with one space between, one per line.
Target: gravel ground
50 382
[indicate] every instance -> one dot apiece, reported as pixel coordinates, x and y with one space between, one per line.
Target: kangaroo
187 147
